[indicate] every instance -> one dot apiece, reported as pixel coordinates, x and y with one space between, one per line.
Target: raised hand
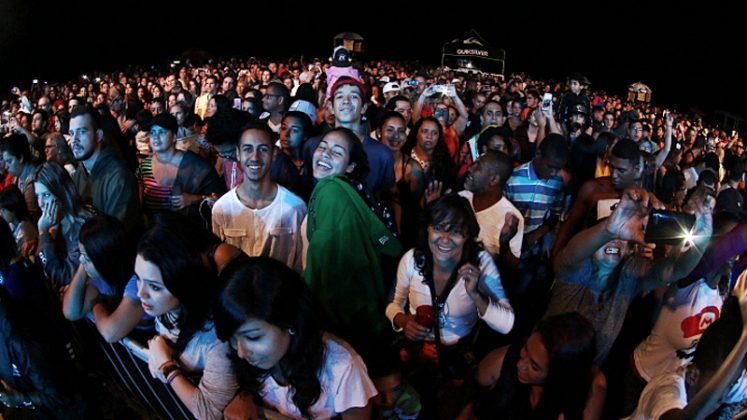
510 226
433 191
628 221
49 216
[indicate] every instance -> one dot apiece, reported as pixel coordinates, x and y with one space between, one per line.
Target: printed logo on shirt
695 325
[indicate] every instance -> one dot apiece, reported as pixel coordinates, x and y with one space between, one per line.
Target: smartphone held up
669 227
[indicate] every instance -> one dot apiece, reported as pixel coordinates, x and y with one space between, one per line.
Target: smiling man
348 104
259 216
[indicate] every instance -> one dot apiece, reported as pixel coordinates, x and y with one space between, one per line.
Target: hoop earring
291 332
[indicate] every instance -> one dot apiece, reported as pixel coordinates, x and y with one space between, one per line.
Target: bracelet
167 368
174 373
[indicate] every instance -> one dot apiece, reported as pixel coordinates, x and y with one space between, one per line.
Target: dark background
691 57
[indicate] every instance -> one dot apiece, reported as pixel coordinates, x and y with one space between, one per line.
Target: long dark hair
184 276
57 180
454 210
104 239
8 247
441 166
570 342
266 289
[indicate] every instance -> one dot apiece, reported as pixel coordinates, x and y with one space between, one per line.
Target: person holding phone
590 279
452 132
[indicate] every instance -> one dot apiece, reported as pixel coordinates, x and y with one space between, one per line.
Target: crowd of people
330 239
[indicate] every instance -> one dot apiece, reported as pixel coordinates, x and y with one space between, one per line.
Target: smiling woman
346 242
453 277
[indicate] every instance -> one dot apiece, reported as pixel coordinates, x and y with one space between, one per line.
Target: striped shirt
535 198
155 196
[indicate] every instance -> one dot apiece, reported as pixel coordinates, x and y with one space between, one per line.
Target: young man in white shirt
259 216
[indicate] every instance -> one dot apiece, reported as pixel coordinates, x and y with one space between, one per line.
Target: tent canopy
639 92
472 53
350 40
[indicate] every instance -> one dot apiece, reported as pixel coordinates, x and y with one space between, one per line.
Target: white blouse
460 312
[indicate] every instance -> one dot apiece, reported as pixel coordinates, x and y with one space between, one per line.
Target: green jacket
343 264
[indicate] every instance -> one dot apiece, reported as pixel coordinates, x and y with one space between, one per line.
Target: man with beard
104 180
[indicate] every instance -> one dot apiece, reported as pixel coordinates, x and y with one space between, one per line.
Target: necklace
422 163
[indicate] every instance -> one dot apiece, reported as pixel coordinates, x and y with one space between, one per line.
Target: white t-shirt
460 312
685 314
491 222
663 393
667 392
344 381
273 231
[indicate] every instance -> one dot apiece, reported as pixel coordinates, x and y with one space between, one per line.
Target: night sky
690 57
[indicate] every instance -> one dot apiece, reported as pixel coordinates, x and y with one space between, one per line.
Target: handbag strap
438 303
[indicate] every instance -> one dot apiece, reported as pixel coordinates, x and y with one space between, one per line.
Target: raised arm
662 272
575 216
663 153
417 107
626 223
461 122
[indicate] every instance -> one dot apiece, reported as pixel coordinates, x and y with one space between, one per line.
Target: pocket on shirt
235 237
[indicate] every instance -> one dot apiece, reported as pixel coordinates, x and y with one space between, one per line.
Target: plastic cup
425 316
